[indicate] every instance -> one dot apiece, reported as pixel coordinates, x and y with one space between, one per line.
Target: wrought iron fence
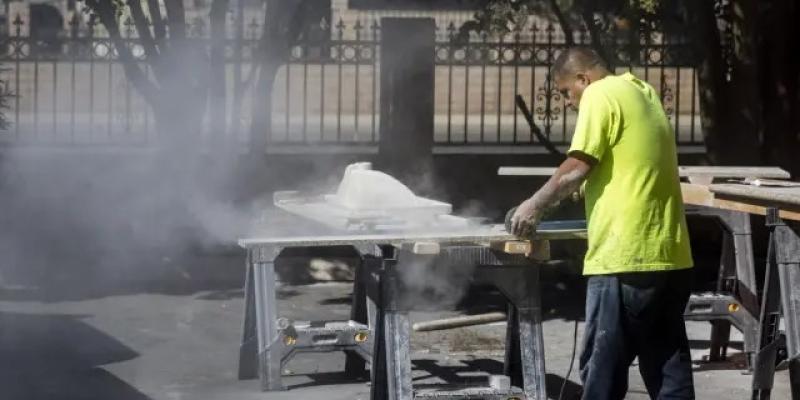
73 90
476 85
478 80
329 90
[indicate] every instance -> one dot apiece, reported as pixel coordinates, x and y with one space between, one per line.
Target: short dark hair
574 60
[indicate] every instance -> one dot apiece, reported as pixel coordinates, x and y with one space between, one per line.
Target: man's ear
583 79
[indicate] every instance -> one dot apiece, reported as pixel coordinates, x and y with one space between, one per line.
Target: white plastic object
363 188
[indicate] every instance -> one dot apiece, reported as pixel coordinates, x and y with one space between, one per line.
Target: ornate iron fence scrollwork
329 83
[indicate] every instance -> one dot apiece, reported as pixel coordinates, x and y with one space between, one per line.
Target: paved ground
169 344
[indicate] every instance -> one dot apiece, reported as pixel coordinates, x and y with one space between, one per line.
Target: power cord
571 361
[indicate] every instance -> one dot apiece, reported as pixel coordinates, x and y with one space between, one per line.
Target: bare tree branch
273 48
563 21
595 36
217 15
216 81
176 19
104 9
159 28
285 21
140 22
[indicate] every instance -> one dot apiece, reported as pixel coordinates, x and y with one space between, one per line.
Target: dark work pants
637 314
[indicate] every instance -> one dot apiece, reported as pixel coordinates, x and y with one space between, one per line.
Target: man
638 260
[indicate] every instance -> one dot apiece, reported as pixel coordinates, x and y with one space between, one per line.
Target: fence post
406 94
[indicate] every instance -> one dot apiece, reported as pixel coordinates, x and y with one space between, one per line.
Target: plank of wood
771 183
688 171
538 250
459 322
732 172
513 246
777 195
701 179
697 195
526 171
701 195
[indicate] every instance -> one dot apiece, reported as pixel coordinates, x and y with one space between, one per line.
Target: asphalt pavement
176 342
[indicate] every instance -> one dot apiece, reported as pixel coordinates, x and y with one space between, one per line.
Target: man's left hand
525 219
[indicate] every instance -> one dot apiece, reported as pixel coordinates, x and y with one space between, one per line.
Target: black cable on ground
571 361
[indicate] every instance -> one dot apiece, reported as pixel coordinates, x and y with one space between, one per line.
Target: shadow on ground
327 378
59 357
174 274
71 277
451 374
456 376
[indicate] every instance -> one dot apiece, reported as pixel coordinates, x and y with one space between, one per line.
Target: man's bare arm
566 180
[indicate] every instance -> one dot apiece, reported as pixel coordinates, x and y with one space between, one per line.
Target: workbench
755 308
378 332
778 296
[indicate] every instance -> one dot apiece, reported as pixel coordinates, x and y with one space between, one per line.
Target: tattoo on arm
567 179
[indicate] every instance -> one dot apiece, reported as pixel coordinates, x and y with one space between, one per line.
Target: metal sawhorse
512 275
269 342
735 300
378 331
777 297
781 298
752 307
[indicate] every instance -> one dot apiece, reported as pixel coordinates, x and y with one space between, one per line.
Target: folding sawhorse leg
260 354
781 297
514 276
268 342
735 299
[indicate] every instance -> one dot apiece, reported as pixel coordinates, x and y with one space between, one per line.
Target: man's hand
579 194
526 218
566 180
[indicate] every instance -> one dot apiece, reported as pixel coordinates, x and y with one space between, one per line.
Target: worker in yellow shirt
638 261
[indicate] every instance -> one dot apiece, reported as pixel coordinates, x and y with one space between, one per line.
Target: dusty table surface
548 230
777 195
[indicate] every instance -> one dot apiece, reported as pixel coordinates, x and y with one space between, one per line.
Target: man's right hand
525 219
579 194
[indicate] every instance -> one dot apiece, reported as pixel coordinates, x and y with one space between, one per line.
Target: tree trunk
262 113
781 63
596 38
177 101
563 22
730 113
744 112
280 31
710 80
217 105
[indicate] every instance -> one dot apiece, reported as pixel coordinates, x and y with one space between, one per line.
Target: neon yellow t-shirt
634 209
